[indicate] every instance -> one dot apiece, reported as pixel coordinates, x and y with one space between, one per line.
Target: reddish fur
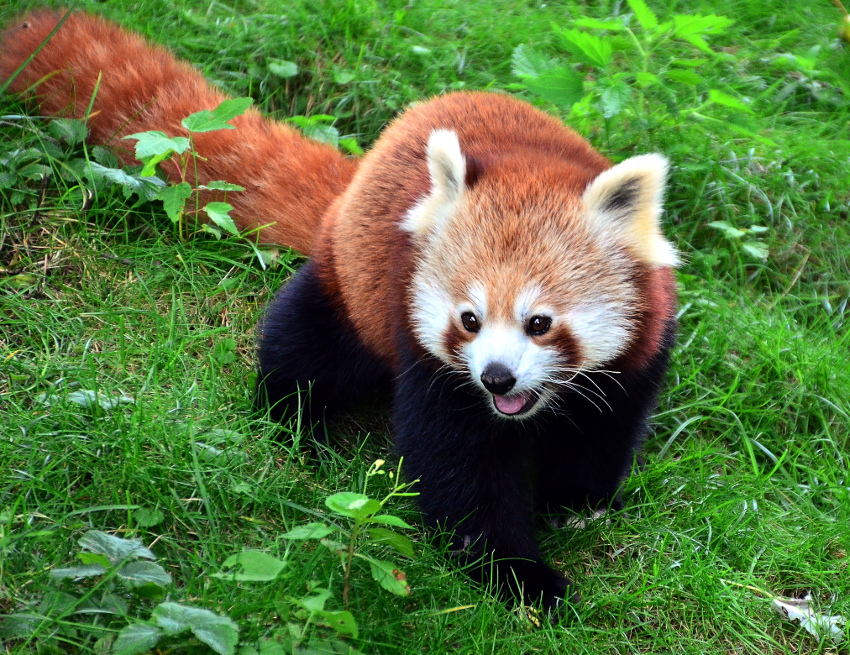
658 295
289 180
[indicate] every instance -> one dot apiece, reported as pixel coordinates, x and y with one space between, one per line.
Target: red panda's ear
447 168
626 202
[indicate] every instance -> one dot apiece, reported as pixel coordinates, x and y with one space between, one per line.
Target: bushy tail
290 181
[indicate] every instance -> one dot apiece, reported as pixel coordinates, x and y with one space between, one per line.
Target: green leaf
35 171
684 76
348 503
309 531
219 213
389 519
224 435
85 398
94 558
78 572
207 452
399 542
155 143
220 185
141 573
588 48
283 68
146 518
562 86
316 601
70 130
614 98
686 25
344 77
644 15
174 199
691 63
217 632
274 647
331 544
647 79
756 248
528 62
145 188
89 398
150 164
57 603
105 156
208 121
720 98
350 145
7 179
342 622
699 43
757 229
254 566
592 23
136 638
225 351
108 604
728 229
231 108
115 548
150 591
389 577
316 129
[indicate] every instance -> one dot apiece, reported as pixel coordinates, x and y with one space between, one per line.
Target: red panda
509 285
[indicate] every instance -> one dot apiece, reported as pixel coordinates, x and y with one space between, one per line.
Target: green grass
745 485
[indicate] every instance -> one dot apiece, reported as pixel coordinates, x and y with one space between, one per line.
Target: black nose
497 379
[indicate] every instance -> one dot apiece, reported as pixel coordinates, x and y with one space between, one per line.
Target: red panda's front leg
310 358
473 480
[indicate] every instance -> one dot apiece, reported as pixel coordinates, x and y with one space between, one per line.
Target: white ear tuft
446 163
447 168
626 201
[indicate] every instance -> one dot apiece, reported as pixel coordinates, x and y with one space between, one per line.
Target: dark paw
548 589
535 584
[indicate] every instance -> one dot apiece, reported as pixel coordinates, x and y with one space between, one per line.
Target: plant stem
350 558
839 6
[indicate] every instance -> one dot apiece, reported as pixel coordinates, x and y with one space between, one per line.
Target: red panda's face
521 328
522 283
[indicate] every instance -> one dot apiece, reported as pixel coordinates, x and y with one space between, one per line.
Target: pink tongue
509 404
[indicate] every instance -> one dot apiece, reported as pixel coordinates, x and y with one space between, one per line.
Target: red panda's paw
533 583
549 589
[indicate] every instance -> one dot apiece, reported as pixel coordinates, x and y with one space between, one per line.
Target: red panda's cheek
454 339
565 343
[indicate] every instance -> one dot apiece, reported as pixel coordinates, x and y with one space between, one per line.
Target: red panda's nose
497 378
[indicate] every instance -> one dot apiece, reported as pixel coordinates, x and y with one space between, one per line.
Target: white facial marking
478 301
510 346
431 315
525 304
602 331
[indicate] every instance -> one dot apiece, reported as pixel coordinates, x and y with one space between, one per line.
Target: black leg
473 481
309 355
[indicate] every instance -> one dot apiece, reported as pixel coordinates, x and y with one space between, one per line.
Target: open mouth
515 405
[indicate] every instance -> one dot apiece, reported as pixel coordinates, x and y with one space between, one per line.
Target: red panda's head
526 273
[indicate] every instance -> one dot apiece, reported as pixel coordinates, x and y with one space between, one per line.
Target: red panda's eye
470 322
538 325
